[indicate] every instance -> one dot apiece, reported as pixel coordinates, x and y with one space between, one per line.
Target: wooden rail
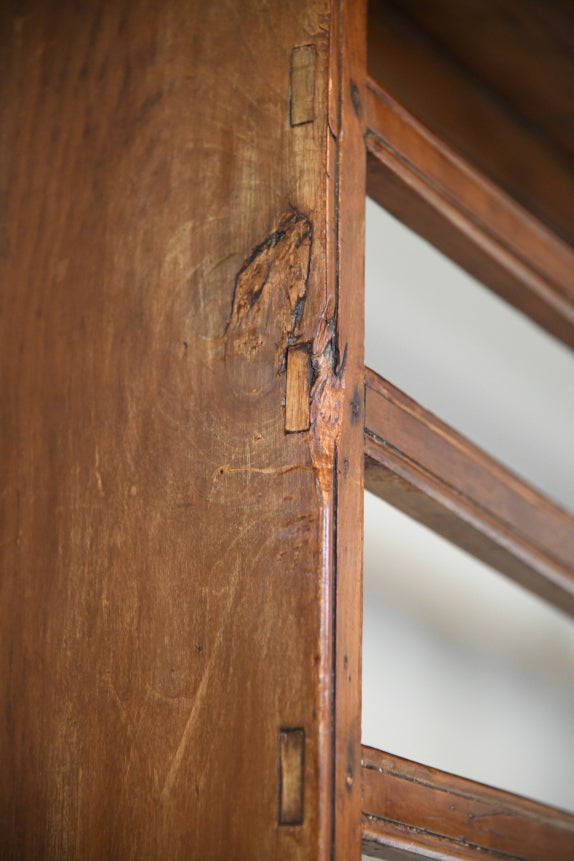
411 811
434 474
426 184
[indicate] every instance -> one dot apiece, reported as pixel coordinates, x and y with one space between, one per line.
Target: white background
462 669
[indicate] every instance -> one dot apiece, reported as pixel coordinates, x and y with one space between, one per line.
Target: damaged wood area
269 296
267 336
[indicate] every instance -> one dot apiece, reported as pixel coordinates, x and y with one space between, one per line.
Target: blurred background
462 669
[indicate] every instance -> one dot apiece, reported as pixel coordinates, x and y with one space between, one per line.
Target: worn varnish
412 811
169 226
434 474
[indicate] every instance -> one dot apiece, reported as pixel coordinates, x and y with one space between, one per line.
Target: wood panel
169 225
430 62
434 474
427 185
412 811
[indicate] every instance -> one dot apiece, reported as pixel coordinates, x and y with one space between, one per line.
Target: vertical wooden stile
347 116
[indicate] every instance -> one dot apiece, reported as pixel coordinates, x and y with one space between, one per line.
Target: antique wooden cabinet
187 423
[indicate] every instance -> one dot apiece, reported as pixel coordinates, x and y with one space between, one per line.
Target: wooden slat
411 811
435 71
424 182
434 474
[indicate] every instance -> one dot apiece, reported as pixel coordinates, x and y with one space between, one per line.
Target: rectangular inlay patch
298 388
303 84
291 776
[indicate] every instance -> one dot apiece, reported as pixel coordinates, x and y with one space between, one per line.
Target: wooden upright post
181 227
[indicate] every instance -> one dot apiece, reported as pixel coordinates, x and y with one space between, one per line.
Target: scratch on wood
121 708
97 472
192 721
226 470
267 470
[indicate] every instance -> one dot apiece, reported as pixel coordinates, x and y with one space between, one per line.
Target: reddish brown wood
412 811
173 562
441 479
424 182
444 66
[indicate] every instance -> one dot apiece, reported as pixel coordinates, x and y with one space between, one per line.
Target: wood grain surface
411 811
434 474
168 227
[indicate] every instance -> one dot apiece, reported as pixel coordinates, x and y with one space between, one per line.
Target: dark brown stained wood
411 811
442 68
524 52
434 474
424 182
172 561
